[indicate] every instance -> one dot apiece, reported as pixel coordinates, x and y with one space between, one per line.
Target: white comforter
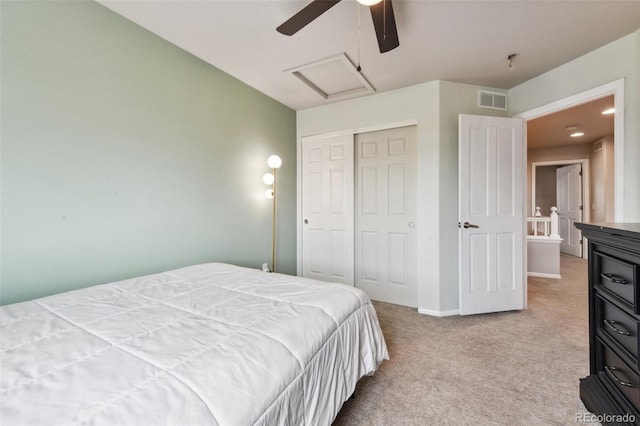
203 345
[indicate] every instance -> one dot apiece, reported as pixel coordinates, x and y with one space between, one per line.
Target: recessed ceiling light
609 111
576 134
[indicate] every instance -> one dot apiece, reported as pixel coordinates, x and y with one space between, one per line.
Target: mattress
202 345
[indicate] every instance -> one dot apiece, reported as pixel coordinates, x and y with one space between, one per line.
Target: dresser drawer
619 325
620 375
616 275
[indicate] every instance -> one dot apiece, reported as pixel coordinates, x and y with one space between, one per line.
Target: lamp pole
273 225
274 162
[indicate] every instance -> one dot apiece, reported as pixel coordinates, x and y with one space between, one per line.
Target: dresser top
631 230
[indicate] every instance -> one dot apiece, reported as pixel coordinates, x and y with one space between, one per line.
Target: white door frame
586 199
586 194
615 88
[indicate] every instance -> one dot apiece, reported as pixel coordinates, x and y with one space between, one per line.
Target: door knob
412 225
306 221
468 225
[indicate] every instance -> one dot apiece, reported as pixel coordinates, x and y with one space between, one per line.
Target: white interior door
385 241
327 209
491 214
569 203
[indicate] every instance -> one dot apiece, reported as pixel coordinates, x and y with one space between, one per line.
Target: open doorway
563 185
615 89
561 147
614 198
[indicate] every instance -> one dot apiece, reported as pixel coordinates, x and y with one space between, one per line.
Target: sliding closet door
385 214
327 208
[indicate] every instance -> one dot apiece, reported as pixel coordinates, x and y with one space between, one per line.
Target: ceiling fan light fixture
384 21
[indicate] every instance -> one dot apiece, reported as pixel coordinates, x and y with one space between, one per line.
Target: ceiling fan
381 12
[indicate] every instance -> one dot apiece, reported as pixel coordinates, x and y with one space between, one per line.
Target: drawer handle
613 278
610 369
611 323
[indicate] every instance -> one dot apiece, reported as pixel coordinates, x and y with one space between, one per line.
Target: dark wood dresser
612 390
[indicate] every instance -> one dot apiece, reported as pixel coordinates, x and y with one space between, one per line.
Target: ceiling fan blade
384 22
306 16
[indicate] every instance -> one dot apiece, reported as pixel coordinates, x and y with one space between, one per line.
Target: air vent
598 145
492 100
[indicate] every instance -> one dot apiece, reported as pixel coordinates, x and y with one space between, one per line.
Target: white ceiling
460 41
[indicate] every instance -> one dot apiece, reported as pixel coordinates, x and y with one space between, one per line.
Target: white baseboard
439 313
541 275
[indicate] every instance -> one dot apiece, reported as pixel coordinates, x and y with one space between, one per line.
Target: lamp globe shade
274 162
268 179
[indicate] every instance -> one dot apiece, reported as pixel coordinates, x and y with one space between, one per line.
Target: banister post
554 223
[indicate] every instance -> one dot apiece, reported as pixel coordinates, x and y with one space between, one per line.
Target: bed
202 345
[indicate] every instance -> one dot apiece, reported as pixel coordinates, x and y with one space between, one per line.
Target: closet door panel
327 208
385 266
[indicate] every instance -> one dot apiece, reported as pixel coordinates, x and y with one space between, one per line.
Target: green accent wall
123 155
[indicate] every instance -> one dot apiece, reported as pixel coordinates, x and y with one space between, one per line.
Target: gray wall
434 107
455 99
123 155
546 195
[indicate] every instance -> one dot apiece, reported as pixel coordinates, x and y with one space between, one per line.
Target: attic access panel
332 78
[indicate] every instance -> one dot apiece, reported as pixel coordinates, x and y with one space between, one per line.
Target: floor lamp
274 162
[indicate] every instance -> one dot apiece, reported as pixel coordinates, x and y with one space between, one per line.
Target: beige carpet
512 368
